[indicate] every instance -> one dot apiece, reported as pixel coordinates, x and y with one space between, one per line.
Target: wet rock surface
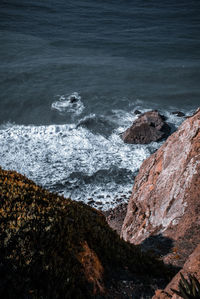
137 112
178 113
150 126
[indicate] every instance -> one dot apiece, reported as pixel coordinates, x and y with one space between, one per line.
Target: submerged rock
73 99
150 126
166 196
178 113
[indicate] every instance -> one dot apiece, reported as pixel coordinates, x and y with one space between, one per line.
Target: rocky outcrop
165 201
192 267
150 126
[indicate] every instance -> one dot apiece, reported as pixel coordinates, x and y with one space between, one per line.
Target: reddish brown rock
149 126
192 266
166 196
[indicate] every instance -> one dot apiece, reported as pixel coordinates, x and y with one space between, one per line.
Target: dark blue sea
72 73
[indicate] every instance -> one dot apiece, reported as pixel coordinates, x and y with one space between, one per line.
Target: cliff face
166 196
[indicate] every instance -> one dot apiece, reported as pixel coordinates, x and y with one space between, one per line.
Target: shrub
188 289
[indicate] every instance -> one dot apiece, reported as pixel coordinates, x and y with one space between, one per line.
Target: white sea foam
69 103
77 160
125 119
73 161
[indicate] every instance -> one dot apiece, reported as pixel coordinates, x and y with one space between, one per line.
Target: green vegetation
43 238
188 289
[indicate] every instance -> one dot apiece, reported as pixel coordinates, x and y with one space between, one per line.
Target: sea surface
72 73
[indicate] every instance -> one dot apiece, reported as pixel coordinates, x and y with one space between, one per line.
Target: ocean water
72 73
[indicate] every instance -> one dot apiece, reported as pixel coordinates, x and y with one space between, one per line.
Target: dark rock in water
178 113
137 112
149 126
73 99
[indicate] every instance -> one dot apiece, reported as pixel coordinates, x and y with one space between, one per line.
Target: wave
72 160
86 160
97 124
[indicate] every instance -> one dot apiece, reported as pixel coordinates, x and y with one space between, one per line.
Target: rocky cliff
164 207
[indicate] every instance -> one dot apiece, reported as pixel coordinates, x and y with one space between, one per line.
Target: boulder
137 112
165 201
73 99
178 113
192 267
150 126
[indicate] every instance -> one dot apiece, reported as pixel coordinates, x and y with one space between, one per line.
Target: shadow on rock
157 245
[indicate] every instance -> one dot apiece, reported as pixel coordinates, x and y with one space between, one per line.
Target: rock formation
149 126
136 112
178 113
165 201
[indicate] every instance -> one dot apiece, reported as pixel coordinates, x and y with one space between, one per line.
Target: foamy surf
68 104
73 161
87 160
